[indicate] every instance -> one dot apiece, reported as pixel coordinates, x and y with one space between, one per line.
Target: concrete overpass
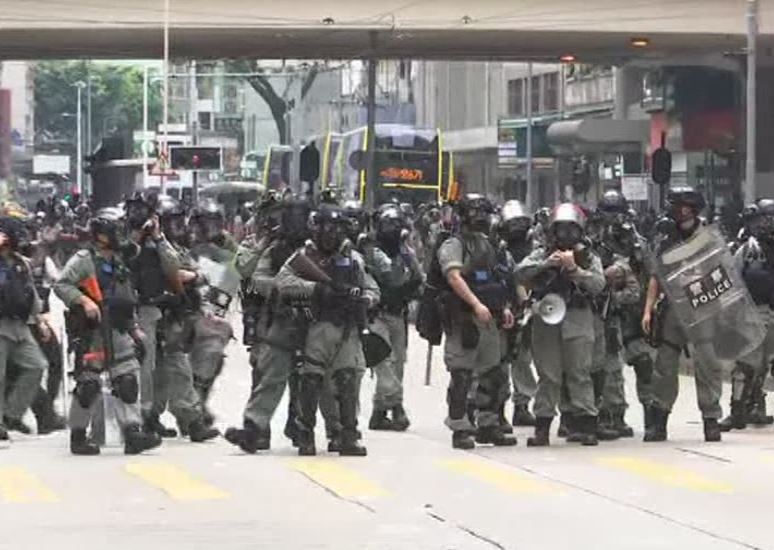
596 31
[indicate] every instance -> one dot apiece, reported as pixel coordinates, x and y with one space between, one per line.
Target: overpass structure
594 31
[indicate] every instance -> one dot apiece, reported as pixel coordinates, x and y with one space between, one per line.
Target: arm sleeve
75 270
263 280
592 280
531 266
290 284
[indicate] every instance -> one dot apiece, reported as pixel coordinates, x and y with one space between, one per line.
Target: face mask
567 235
331 238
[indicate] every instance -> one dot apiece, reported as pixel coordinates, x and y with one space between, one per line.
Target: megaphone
551 309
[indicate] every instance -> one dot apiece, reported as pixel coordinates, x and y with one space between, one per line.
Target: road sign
196 158
51 164
634 187
507 146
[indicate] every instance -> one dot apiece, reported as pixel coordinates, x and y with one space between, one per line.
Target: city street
412 491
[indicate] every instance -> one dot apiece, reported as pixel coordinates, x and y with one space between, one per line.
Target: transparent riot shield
223 284
709 297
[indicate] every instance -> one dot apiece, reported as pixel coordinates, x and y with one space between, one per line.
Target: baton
429 364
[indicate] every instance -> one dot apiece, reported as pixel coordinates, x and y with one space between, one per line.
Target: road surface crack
338 496
467 530
704 455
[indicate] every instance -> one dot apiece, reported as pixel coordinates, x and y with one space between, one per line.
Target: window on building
516 97
551 92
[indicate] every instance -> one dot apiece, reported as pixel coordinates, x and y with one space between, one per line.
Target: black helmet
474 211
686 196
354 210
108 222
138 211
13 228
208 208
330 227
167 206
759 219
765 207
613 202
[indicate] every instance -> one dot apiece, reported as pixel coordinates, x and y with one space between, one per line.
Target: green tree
116 100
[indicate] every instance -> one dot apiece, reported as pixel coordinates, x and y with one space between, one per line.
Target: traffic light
195 158
89 164
310 164
661 162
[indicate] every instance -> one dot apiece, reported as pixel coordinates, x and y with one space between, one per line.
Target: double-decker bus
410 163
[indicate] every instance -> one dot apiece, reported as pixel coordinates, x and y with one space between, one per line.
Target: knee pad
87 390
643 368
457 394
492 389
126 388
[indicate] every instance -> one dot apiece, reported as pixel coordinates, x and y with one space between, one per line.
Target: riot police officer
684 206
173 375
399 280
475 305
212 332
755 259
622 289
95 285
562 352
278 343
333 279
153 264
514 230
19 309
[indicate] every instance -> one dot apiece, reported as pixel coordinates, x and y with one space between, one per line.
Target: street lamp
79 145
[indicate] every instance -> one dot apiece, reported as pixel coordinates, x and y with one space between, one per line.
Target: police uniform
95 354
19 308
563 352
332 344
472 348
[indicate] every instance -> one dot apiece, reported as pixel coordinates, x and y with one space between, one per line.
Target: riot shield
709 297
223 283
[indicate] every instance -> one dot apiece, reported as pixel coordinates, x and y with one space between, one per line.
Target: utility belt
354 313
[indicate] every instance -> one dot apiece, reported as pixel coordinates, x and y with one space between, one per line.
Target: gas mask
686 219
175 229
389 233
567 235
331 236
295 224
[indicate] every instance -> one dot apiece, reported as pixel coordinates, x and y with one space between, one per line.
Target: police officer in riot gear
173 375
95 285
563 352
19 308
622 289
333 279
278 343
682 221
755 259
152 262
475 305
514 231
211 332
399 279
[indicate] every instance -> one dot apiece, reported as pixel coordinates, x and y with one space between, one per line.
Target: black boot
334 441
137 441
400 421
658 425
457 401
291 424
589 429
250 438
46 417
618 423
495 436
379 421
463 439
522 416
82 445
542 432
758 415
3 433
604 426
309 388
204 388
152 424
711 430
737 419
199 433
647 417
346 394
16 425
574 426
565 419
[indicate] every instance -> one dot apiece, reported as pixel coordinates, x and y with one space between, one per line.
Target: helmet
108 222
390 225
765 207
354 210
329 196
613 202
209 219
138 211
685 196
208 208
515 221
330 227
13 228
167 206
172 217
759 219
474 211
568 222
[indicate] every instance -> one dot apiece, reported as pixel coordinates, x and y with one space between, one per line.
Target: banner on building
51 164
507 145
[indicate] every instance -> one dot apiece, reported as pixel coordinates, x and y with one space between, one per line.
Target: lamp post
79 145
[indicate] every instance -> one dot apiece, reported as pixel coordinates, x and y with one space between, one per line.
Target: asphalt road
413 491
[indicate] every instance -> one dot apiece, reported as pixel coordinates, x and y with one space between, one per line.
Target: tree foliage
116 99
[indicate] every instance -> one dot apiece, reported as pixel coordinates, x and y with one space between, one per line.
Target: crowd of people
544 310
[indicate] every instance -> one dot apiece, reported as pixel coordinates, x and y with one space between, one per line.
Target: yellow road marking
668 475
337 478
503 478
174 481
18 485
